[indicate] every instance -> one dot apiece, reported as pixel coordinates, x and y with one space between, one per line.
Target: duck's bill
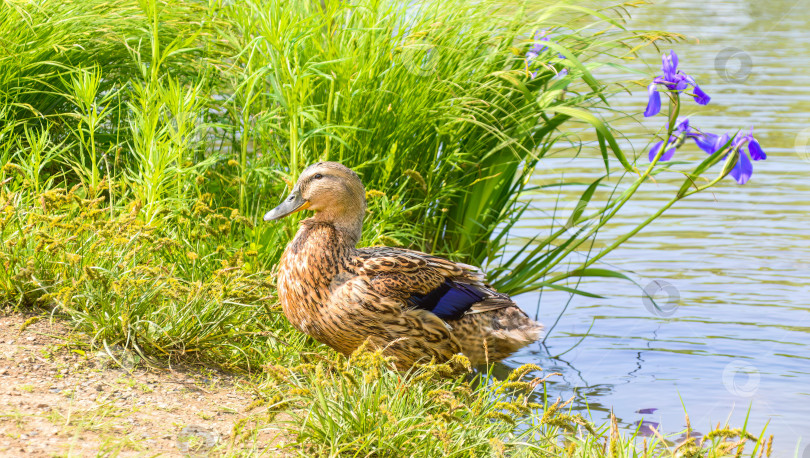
293 203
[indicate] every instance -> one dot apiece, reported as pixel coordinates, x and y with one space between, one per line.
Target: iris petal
720 142
700 97
654 104
743 170
673 58
667 155
706 142
537 48
654 150
669 65
683 126
756 151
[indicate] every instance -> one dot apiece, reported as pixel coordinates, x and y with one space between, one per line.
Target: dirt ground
58 398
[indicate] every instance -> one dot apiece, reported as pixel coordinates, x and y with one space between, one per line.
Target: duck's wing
447 289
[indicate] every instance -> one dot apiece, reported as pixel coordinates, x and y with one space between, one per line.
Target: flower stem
674 109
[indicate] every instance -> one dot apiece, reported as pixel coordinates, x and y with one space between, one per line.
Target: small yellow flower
417 177
372 193
192 256
11 169
72 258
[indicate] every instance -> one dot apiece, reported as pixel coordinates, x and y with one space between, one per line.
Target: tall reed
433 103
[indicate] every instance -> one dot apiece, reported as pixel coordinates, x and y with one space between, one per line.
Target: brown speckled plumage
342 295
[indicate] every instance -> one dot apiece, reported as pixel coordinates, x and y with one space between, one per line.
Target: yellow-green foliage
141 142
359 406
180 292
167 291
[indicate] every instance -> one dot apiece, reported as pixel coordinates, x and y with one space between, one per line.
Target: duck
413 306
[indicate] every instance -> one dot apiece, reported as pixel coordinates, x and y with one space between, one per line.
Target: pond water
734 332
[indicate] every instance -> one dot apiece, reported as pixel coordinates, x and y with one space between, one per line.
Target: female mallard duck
416 306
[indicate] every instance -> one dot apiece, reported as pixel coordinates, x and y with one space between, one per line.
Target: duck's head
333 191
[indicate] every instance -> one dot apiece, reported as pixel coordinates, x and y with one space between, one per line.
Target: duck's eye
317 176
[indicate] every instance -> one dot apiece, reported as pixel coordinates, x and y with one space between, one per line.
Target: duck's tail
494 335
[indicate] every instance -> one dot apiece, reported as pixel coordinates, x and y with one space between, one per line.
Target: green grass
141 143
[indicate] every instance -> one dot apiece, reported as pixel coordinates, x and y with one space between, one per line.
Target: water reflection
739 331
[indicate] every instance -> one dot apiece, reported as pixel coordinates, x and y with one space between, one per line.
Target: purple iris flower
743 170
536 49
679 135
711 143
754 149
539 48
674 80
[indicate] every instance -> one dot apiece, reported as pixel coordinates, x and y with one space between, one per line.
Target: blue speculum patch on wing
449 301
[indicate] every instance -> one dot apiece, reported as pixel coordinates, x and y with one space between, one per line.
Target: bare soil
58 398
